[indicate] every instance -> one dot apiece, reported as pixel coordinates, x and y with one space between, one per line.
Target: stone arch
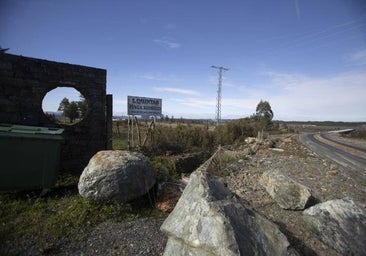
24 82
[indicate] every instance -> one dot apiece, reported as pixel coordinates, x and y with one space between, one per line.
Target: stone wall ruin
24 82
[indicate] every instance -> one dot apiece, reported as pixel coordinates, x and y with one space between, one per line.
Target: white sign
143 106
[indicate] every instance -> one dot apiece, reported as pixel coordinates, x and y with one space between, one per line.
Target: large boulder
339 223
288 193
116 175
210 220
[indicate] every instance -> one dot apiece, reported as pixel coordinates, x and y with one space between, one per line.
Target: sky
307 58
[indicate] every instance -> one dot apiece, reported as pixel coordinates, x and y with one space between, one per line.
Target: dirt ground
242 172
283 152
327 181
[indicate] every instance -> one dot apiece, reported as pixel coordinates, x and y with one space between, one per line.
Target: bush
235 131
181 138
164 169
197 137
358 134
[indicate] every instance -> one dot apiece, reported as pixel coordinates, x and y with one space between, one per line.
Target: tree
72 111
64 104
264 114
82 106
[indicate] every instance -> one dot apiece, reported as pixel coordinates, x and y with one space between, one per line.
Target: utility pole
219 84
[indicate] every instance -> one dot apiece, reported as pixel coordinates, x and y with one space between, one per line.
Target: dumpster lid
30 129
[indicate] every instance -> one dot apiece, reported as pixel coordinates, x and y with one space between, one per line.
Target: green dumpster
29 156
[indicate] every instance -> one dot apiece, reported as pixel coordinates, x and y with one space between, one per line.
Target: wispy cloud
319 98
239 88
284 80
295 96
297 8
175 90
358 58
313 39
197 102
230 106
167 42
231 85
157 77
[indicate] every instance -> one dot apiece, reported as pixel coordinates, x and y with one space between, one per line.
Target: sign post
144 107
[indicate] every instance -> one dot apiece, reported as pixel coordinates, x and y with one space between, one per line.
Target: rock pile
210 220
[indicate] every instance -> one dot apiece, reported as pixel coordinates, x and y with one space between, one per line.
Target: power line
219 84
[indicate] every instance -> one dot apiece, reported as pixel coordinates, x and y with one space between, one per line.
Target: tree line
77 109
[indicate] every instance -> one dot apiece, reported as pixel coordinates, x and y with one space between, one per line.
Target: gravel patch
326 181
138 237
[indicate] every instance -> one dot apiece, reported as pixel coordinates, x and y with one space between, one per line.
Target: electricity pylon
219 85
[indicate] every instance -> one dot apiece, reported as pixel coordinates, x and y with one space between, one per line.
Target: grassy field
120 131
60 213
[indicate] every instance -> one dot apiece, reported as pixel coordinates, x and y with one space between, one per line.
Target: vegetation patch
25 216
358 134
164 169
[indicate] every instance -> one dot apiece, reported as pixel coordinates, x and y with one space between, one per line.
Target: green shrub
181 138
235 131
358 134
187 137
164 169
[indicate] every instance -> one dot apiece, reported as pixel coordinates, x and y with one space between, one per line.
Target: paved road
356 144
352 157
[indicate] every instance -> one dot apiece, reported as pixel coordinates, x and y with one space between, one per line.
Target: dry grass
43 222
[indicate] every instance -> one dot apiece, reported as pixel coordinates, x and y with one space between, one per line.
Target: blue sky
306 57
